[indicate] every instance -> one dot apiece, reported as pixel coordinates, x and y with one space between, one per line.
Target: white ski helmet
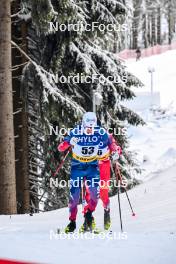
89 119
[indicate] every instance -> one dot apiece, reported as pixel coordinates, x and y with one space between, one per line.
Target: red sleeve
63 146
113 145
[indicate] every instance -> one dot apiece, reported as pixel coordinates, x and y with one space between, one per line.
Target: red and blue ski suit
105 149
84 166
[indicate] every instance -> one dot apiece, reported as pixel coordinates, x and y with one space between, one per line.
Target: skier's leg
104 180
73 203
74 200
75 185
93 178
92 183
104 191
87 194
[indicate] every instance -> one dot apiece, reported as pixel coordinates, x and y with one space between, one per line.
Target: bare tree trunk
153 20
115 43
25 138
149 29
136 21
159 25
7 153
135 30
21 118
144 26
170 22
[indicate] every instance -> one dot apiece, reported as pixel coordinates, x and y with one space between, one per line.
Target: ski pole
58 169
62 162
83 199
118 194
120 213
119 173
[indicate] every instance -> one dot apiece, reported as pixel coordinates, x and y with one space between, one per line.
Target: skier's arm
63 146
66 142
69 141
113 145
116 151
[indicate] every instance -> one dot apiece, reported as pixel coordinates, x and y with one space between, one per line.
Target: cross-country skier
106 149
138 54
85 141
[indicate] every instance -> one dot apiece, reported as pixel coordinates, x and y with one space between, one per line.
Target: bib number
87 150
100 152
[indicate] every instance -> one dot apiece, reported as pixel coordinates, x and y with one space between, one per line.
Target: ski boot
89 222
107 220
70 227
93 223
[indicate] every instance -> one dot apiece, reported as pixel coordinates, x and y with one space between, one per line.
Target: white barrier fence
143 101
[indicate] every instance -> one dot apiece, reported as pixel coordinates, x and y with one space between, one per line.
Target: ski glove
115 157
63 146
73 141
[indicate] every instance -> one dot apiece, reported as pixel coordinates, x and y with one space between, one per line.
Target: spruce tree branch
15 67
51 90
14 15
22 51
18 111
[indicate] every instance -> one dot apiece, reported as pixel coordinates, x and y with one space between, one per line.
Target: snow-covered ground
164 79
150 236
155 143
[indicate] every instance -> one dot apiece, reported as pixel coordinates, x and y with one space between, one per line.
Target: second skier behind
106 148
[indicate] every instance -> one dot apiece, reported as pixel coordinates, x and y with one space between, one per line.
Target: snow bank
150 236
155 143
